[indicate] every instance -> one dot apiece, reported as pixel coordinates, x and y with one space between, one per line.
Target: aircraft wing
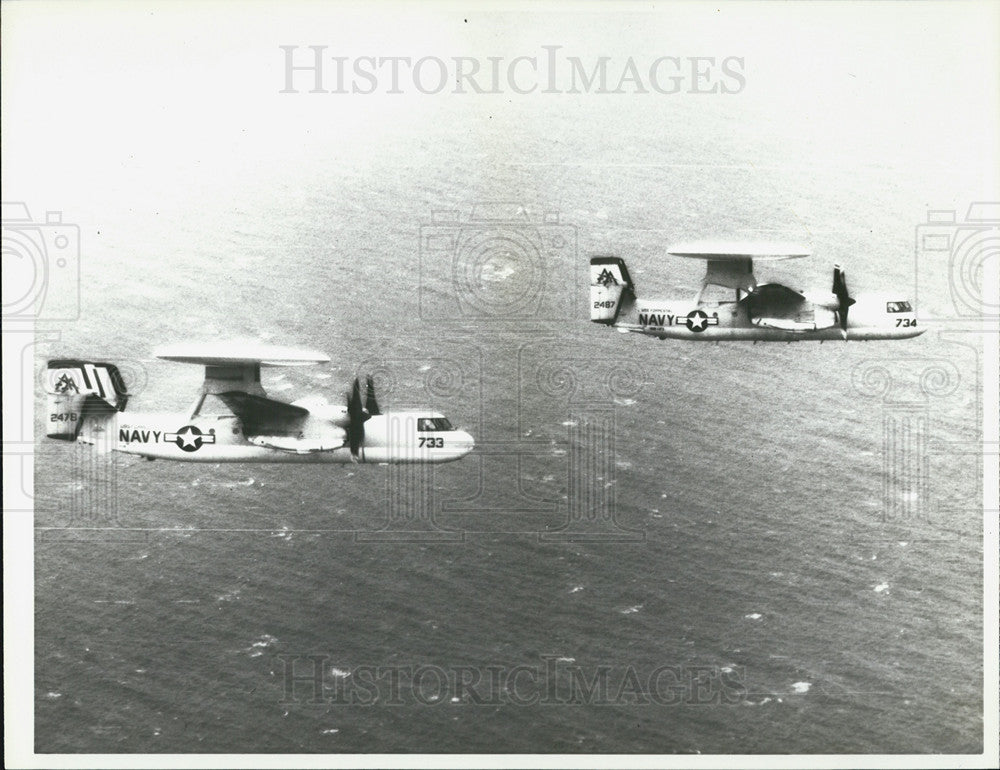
260 414
785 324
302 446
774 298
779 307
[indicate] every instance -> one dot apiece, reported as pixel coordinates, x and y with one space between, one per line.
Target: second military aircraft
748 310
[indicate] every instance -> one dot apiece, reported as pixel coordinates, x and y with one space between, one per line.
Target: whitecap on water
753 616
575 589
339 673
631 610
330 731
881 587
261 643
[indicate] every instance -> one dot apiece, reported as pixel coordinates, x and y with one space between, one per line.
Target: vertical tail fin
611 289
78 389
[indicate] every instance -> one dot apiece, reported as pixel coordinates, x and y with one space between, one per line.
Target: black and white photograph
498 384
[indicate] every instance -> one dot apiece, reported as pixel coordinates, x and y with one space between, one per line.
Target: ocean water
738 517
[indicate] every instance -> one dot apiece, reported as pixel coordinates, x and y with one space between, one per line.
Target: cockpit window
426 424
898 307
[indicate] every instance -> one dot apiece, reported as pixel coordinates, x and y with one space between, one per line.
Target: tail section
77 390
611 289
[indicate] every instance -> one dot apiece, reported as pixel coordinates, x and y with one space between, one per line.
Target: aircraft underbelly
220 440
770 334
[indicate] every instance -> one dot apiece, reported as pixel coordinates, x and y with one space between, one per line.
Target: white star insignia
698 322
187 437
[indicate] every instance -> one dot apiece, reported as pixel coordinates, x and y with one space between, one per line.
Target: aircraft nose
464 443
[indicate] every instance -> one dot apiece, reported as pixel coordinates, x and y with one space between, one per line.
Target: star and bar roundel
698 321
190 438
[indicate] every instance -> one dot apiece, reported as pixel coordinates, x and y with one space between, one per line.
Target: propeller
356 416
371 404
844 300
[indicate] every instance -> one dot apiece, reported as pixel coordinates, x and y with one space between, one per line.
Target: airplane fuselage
870 319
392 437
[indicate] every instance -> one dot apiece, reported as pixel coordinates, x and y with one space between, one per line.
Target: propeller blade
844 299
355 419
371 404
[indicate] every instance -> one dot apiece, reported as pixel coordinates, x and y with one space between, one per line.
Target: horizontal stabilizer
78 390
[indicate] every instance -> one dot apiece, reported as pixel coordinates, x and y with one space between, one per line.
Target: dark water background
765 525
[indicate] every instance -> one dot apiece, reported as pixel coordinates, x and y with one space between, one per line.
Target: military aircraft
756 311
86 403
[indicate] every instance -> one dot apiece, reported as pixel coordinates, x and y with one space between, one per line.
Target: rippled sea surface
737 517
